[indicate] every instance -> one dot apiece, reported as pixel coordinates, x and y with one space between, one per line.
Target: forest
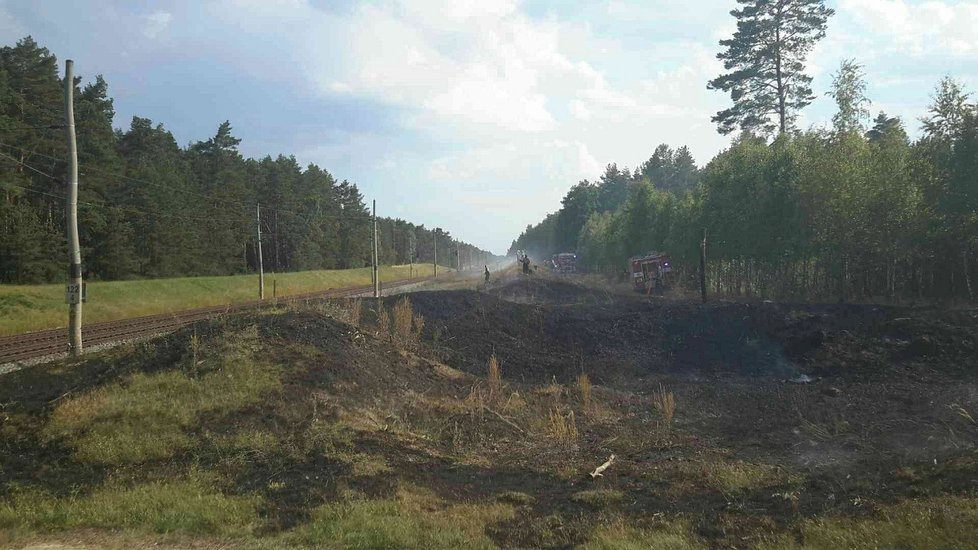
151 208
851 210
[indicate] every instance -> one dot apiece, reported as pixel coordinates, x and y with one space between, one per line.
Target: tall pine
766 63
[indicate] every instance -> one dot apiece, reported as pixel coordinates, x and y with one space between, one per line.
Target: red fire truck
649 272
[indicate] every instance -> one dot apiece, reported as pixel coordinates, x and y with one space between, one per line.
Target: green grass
26 308
619 536
189 505
412 520
946 522
598 498
146 416
734 476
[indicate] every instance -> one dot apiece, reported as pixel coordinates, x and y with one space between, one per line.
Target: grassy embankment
286 429
25 308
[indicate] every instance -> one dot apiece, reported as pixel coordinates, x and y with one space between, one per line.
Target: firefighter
487 274
657 279
526 264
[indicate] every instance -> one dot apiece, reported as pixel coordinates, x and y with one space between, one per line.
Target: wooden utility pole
434 261
261 266
74 290
376 256
703 267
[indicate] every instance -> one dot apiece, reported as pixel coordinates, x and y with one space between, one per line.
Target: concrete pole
74 248
261 266
376 256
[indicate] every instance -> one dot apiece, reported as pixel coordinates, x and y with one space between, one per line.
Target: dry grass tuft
403 319
495 379
418 326
383 322
665 403
355 312
584 385
562 428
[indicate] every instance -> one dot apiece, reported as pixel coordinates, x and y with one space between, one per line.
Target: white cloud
918 28
156 24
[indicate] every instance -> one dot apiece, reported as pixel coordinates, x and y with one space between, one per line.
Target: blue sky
472 115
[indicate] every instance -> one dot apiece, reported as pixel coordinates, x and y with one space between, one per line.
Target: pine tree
883 126
766 59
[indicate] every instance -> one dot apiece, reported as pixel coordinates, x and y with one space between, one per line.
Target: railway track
31 345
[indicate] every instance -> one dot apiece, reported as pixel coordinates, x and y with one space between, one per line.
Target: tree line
857 210
151 208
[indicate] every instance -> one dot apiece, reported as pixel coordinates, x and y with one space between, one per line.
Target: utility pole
434 261
261 266
703 267
75 289
376 256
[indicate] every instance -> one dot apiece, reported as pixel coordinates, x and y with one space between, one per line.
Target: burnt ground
785 413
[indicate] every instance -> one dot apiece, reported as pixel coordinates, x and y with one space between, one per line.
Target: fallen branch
597 471
504 419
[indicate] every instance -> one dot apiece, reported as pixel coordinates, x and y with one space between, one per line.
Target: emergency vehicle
649 269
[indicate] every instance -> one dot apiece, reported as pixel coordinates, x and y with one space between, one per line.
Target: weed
495 379
665 403
515 497
562 427
963 413
824 432
365 465
584 385
735 476
598 498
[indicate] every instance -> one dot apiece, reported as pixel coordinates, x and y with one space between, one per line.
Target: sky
471 115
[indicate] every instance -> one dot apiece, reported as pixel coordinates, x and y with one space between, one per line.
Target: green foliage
810 215
849 92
